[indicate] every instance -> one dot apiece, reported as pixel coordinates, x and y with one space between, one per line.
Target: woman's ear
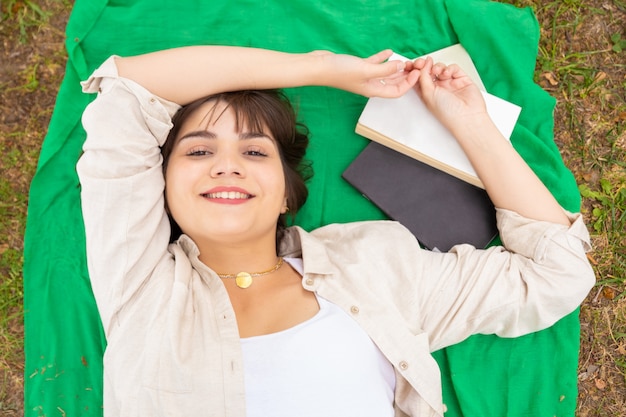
285 208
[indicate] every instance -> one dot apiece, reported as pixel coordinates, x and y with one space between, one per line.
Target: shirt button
153 100
354 310
403 365
309 281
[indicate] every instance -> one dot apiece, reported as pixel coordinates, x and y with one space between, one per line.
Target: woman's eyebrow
206 134
254 135
202 134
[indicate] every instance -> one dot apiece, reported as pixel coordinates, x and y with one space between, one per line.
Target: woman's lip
226 189
227 195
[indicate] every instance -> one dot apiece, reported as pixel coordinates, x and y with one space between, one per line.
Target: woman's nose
226 163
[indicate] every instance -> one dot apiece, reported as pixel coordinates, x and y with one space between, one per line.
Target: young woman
242 316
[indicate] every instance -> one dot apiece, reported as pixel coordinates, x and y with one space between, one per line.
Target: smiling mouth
228 195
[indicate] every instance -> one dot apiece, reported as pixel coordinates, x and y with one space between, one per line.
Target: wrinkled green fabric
484 376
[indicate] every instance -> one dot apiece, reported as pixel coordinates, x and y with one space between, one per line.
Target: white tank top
326 366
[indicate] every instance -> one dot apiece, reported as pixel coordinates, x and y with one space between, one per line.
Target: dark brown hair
258 110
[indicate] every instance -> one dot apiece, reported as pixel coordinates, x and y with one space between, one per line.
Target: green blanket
483 376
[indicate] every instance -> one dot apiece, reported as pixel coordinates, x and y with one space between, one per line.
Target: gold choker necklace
244 279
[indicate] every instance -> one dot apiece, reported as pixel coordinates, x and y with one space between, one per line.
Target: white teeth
230 195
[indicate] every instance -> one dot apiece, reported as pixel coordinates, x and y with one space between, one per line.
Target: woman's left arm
542 275
542 272
511 184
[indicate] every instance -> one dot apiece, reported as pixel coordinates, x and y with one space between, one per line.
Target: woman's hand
370 77
449 93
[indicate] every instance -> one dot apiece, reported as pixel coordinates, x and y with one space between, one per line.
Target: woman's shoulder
365 226
355 240
372 233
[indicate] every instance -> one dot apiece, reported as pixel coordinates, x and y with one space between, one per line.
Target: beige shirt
173 344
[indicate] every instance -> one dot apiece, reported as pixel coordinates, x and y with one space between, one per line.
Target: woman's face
223 186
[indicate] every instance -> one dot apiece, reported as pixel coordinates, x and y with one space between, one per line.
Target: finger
401 73
455 71
428 66
379 57
395 86
412 78
425 81
439 71
419 63
401 78
388 70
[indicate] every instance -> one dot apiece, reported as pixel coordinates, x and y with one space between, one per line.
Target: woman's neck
225 258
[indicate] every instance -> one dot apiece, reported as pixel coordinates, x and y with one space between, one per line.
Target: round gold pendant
243 280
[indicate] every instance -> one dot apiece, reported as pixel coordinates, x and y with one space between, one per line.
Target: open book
407 126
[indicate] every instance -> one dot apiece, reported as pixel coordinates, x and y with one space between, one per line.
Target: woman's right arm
185 74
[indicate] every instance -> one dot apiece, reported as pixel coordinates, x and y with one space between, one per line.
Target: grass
27 14
581 62
32 59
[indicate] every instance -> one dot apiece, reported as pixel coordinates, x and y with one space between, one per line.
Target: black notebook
439 209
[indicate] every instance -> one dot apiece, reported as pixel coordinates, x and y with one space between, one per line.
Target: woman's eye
255 152
198 152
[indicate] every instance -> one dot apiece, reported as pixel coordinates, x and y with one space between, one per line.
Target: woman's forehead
219 111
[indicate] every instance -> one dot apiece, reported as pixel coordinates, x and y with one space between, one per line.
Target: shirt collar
296 243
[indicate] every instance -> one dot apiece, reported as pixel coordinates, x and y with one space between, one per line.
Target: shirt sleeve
120 171
539 275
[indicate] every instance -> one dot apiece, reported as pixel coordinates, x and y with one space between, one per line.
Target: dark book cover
439 209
